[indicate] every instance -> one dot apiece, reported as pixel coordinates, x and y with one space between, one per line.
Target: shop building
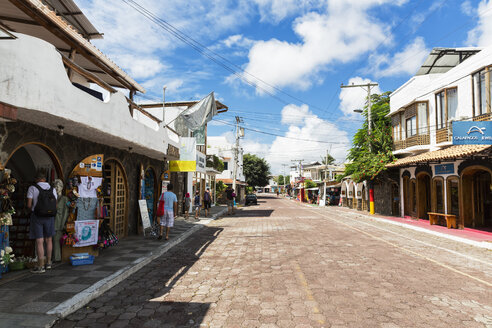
59 107
219 146
441 121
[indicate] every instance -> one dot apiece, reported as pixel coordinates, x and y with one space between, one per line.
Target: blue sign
444 169
472 133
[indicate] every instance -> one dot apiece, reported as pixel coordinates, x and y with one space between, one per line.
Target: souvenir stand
7 187
86 229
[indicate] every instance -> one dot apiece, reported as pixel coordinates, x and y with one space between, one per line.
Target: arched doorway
364 206
149 193
116 198
395 199
476 193
24 162
351 195
423 195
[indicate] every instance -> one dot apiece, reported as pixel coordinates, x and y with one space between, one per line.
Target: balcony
442 135
417 140
483 117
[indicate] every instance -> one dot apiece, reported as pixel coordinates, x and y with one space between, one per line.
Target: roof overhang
437 156
63 25
441 60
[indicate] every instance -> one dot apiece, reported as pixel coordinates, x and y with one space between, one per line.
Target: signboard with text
444 169
472 133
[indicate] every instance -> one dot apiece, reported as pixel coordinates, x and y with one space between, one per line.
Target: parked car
251 199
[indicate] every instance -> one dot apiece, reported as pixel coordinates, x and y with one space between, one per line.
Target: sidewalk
28 300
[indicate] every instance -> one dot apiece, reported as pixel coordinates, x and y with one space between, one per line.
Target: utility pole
369 86
239 134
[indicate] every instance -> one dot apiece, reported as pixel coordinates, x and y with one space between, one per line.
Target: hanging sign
472 133
144 213
187 158
87 232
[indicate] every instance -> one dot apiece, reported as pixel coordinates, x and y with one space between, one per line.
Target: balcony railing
417 140
442 135
483 117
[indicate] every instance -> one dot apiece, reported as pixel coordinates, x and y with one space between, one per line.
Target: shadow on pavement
143 297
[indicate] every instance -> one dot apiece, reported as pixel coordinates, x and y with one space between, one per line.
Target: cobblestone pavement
281 264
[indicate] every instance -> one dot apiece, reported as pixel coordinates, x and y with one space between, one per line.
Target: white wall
219 146
34 80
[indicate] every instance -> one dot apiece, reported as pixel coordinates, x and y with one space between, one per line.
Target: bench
450 219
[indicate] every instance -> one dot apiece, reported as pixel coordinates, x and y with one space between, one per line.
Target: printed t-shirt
88 189
33 192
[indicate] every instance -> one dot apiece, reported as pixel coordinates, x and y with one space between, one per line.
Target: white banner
87 232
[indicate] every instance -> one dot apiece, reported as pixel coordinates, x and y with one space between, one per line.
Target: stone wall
70 150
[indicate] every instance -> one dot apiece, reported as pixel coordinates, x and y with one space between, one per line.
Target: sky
279 64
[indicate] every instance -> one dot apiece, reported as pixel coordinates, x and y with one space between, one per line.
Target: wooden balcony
483 117
417 140
442 135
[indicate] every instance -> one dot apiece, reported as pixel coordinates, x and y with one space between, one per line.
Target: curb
480 244
81 299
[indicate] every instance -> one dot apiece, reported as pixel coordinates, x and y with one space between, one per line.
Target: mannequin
60 218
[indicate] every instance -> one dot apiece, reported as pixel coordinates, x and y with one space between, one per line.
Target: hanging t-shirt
87 187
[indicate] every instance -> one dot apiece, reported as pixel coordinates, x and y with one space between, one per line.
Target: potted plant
6 257
18 264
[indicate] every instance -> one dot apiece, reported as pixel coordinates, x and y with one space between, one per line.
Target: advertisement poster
187 156
87 232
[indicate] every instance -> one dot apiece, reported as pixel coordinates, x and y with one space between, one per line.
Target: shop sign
187 156
201 162
472 133
144 213
444 169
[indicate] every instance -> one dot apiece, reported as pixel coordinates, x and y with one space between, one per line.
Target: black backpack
46 204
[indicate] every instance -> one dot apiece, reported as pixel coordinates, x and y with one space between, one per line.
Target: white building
451 90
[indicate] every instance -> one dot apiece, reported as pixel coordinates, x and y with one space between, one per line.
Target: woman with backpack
196 204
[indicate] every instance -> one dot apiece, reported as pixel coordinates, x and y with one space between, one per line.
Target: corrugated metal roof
458 151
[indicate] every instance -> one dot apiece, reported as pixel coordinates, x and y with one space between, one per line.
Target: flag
200 113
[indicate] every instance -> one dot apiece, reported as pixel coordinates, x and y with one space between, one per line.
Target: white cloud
481 35
301 124
238 40
341 34
355 98
467 8
275 11
406 62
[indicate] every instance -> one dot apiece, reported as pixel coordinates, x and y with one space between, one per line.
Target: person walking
207 201
187 203
196 204
41 200
170 210
230 200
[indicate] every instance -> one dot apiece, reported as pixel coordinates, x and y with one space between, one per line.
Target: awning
458 151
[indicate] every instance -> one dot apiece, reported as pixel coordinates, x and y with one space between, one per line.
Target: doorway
423 195
149 193
477 198
395 199
24 162
116 198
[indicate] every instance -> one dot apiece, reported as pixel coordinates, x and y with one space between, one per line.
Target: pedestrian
187 203
41 201
170 210
278 192
230 200
207 201
196 204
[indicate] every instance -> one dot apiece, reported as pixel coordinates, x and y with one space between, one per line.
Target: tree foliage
287 180
215 162
309 184
280 180
328 159
256 170
219 189
370 153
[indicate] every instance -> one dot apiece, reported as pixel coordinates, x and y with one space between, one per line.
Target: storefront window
453 202
439 192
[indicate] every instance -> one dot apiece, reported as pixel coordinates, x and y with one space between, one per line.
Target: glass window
438 185
453 196
441 122
402 124
226 165
483 94
481 99
476 93
396 132
422 115
452 102
411 126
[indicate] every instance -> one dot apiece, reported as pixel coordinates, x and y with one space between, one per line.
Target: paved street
282 264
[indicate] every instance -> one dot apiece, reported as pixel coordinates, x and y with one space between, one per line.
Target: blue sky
296 54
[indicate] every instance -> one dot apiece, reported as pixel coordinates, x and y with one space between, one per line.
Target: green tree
309 184
219 189
287 179
370 153
256 170
328 159
215 162
280 180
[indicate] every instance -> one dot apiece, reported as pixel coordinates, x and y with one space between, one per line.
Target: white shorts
168 219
